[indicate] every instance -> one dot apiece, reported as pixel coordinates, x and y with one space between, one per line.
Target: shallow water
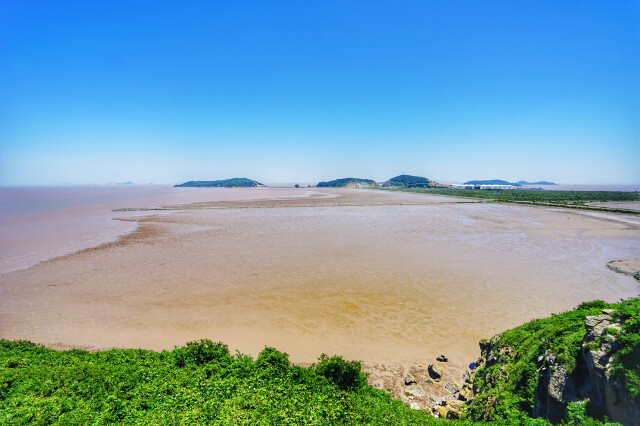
381 283
40 223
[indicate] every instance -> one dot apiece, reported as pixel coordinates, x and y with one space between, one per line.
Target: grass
570 199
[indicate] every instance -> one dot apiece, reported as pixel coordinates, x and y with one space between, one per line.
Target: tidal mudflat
393 279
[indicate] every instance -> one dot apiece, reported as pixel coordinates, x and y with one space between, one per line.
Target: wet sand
393 279
41 223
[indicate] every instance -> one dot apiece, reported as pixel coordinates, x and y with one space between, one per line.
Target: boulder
435 372
410 380
452 387
442 358
448 410
414 390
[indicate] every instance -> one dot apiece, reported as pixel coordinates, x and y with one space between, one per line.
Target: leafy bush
346 374
271 359
201 352
200 383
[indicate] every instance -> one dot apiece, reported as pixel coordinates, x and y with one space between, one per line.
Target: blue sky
93 92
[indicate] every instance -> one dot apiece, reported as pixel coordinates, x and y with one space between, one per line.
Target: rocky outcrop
555 389
598 349
557 386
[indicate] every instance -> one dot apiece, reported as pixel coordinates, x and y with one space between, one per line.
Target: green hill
348 183
408 181
226 183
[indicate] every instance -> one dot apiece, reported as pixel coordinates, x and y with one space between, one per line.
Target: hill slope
226 183
408 181
348 183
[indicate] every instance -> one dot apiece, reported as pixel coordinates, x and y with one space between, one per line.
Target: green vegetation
341 183
408 181
226 183
560 198
505 388
626 363
200 383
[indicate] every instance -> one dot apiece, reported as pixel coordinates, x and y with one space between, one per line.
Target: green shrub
272 359
200 352
346 374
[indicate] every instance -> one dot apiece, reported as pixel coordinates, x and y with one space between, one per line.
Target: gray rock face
598 348
555 389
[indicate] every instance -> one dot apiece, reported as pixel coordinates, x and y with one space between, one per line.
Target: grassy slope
341 183
506 388
197 384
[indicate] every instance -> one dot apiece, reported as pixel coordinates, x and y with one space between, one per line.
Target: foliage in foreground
200 383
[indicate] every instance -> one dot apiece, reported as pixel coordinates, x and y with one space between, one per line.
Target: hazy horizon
281 92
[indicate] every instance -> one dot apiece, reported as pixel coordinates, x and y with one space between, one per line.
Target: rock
428 380
414 405
555 389
435 372
608 311
465 394
436 401
414 390
606 390
442 358
449 410
452 387
377 385
410 380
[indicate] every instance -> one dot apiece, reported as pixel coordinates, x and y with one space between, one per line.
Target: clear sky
92 92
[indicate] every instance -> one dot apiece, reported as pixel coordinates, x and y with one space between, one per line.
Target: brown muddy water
388 278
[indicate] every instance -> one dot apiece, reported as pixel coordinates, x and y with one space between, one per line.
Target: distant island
226 183
504 182
348 183
542 182
408 181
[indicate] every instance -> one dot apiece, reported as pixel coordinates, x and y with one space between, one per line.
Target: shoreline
161 297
